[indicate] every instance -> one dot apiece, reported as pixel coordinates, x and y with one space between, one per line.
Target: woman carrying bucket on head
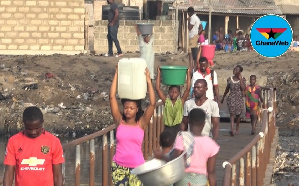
205 50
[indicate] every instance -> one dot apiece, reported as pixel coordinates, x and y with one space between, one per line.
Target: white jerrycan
132 82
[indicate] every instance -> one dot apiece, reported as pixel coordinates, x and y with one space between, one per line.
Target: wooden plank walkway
229 146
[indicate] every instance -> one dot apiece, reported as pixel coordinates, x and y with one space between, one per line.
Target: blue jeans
112 36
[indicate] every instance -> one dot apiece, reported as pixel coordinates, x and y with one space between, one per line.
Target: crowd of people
191 120
232 42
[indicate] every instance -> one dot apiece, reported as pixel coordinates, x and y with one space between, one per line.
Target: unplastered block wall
41 26
165 36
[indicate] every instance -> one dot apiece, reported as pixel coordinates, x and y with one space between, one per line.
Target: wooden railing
151 142
248 166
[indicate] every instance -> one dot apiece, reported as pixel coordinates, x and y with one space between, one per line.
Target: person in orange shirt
33 156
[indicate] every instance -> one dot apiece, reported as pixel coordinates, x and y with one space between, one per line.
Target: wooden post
226 24
186 32
248 169
77 166
209 22
104 160
233 175
242 172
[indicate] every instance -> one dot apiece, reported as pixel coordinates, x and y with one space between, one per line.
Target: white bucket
132 82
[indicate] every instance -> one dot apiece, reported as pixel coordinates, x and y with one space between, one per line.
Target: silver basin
158 173
145 28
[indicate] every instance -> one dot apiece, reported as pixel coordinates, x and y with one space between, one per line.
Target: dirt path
74 93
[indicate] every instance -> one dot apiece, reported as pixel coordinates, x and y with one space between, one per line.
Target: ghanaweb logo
271 35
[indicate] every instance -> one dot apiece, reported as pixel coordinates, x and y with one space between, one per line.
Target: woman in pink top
130 133
201 152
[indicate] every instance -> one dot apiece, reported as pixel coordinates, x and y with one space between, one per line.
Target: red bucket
208 51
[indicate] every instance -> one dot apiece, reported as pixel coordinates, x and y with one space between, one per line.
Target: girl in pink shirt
201 152
130 133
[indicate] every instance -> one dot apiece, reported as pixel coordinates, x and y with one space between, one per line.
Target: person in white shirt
194 25
212 120
204 72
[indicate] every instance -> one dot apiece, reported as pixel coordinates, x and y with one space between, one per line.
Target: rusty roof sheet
249 7
289 9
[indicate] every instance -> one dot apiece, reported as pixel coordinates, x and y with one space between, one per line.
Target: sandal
231 133
119 55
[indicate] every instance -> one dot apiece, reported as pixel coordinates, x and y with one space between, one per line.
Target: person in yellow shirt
173 110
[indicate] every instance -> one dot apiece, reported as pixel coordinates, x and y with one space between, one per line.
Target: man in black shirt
240 41
113 25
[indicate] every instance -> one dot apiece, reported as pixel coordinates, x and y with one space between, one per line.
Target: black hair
202 81
166 139
32 114
253 76
174 86
240 67
191 10
197 116
140 112
203 59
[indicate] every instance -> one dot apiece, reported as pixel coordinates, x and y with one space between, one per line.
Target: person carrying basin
146 49
173 103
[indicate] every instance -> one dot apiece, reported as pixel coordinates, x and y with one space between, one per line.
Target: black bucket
195 53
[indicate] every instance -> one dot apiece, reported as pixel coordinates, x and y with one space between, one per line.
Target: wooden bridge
242 159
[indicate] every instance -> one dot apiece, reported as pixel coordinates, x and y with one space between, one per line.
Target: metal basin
157 172
145 28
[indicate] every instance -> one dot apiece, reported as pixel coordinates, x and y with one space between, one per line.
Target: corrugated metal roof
289 9
249 7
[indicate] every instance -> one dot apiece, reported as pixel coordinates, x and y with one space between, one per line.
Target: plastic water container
208 51
132 82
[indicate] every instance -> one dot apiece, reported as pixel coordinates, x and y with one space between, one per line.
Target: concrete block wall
165 36
41 26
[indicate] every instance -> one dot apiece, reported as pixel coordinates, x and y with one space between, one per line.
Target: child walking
146 50
130 126
253 100
173 110
201 152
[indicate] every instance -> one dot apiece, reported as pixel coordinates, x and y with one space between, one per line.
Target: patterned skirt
121 176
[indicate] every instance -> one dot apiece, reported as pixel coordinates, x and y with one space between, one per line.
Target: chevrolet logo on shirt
33 161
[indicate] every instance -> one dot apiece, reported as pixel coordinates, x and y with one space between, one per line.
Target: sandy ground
73 90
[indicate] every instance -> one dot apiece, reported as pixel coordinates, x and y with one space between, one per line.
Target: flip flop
231 133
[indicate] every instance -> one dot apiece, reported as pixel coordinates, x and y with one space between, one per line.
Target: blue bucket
203 23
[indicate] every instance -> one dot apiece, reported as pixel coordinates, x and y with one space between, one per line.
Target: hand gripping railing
248 166
151 142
